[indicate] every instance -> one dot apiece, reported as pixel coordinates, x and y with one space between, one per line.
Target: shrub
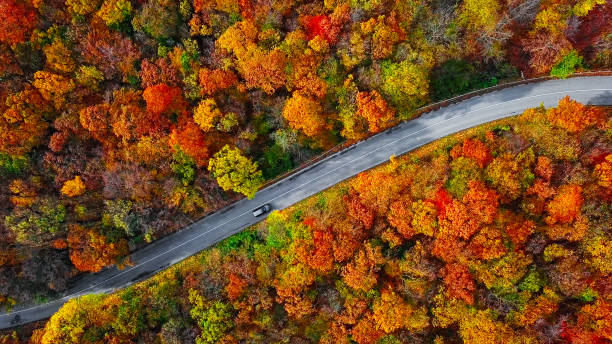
568 65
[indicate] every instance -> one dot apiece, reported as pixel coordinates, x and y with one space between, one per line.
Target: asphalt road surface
596 90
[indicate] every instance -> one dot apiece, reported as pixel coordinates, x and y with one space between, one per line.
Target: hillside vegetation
124 120
499 234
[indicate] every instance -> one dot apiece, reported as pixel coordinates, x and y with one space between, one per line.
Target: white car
262 210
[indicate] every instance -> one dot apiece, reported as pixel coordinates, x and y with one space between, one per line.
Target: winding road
364 155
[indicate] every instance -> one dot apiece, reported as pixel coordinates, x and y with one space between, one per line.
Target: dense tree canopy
18 20
121 106
391 255
235 171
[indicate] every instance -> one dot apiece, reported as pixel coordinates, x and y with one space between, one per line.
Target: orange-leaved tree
265 70
18 20
475 150
91 251
594 324
362 272
603 172
477 208
189 137
356 209
304 114
459 282
96 119
74 187
24 122
400 216
366 331
372 107
317 253
215 80
488 243
161 98
235 286
566 205
573 116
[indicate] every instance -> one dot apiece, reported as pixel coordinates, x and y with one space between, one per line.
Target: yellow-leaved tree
74 187
113 12
53 87
82 7
235 171
76 319
480 14
603 172
392 313
207 114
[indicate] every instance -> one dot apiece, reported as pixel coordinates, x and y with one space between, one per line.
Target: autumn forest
122 121
496 235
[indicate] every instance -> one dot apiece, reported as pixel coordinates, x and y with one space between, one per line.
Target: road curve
596 90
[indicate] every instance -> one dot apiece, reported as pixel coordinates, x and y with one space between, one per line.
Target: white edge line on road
80 293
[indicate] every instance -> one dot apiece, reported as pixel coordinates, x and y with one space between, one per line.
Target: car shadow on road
605 98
